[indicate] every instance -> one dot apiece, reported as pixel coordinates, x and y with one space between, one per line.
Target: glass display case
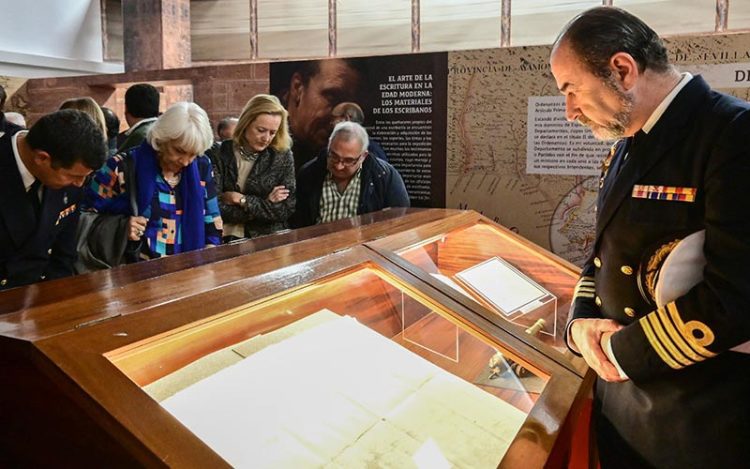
284 358
500 274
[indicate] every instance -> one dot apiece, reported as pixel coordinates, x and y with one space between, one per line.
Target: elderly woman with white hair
163 190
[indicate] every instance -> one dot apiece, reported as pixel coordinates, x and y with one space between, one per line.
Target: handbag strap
130 181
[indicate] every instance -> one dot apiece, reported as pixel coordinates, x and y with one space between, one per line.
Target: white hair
346 131
184 125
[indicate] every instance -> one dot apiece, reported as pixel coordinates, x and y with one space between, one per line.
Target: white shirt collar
659 111
140 123
26 176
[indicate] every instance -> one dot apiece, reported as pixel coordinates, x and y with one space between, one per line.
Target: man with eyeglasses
347 182
348 111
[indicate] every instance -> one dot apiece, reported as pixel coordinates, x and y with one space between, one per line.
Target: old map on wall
488 93
488 97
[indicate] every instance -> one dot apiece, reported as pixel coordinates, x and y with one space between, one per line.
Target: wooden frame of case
66 394
338 235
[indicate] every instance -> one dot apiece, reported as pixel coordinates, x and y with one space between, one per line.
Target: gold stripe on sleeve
657 345
585 288
666 342
676 337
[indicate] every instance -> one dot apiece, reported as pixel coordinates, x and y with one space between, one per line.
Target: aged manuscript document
341 395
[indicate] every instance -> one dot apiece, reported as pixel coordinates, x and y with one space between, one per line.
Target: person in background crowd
141 111
256 171
16 118
315 87
347 182
174 189
5 125
41 172
90 107
661 311
225 128
348 111
113 128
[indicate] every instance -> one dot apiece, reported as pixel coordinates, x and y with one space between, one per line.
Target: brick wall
222 90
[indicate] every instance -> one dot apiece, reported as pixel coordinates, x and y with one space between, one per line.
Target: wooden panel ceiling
299 28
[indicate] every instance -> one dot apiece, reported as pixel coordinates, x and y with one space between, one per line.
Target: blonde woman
90 107
256 171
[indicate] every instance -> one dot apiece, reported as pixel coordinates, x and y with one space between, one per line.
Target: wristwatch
243 200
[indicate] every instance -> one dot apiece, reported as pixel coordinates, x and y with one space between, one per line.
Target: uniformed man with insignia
41 174
662 309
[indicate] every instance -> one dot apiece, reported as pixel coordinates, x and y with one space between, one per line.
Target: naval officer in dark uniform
662 309
41 174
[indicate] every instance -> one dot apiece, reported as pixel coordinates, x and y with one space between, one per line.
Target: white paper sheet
503 286
338 395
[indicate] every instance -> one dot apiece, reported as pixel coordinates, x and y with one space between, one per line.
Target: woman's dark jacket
271 169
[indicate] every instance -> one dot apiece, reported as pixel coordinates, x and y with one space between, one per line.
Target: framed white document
505 287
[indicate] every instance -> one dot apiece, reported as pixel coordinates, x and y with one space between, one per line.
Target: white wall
46 38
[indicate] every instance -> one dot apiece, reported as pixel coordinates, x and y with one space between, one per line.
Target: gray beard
616 128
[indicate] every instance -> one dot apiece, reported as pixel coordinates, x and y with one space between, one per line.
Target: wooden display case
140 370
